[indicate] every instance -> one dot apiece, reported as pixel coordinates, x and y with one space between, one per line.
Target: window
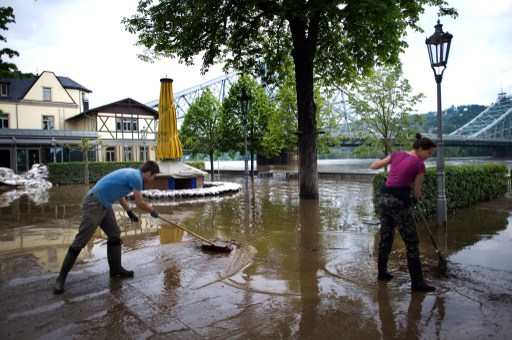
48 123
47 94
4 90
91 154
110 154
4 121
127 153
143 152
126 124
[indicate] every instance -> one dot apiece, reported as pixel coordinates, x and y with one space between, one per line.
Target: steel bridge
492 127
336 98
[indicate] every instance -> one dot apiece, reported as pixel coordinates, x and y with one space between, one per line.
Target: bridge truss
219 87
494 123
336 98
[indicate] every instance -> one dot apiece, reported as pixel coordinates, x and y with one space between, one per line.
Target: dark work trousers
396 213
94 215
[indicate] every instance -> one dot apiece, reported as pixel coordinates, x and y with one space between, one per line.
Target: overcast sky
85 41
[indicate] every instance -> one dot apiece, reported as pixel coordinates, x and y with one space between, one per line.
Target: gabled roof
69 83
18 88
124 106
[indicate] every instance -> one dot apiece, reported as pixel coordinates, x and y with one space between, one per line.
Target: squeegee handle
184 229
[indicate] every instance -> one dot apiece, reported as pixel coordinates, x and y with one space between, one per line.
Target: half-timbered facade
126 129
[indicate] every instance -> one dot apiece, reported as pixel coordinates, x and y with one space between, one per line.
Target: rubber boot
382 266
417 282
114 260
69 261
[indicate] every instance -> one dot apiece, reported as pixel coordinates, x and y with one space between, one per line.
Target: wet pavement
300 269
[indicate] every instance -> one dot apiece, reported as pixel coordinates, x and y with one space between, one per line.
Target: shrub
465 186
73 172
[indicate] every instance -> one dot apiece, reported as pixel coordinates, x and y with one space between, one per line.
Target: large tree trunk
303 57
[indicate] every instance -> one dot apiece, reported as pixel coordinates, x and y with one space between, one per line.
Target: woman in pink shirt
402 188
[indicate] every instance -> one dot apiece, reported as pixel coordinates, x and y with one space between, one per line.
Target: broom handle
428 228
184 229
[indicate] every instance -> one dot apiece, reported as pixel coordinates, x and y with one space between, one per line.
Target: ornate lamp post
144 134
438 45
54 150
244 109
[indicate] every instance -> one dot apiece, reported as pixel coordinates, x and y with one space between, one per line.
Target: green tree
200 130
8 69
85 146
331 40
282 130
383 102
232 119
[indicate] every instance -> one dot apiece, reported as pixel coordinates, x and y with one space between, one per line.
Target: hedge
73 172
465 185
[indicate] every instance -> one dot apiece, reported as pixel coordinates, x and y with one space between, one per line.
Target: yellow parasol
168 145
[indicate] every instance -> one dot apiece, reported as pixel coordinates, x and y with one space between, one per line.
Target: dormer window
4 90
47 94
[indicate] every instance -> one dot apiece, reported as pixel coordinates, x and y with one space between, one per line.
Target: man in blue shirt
97 211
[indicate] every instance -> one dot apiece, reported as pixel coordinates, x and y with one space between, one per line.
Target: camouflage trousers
395 213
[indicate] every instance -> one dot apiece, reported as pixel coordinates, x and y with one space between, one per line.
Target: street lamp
144 133
54 150
438 45
244 109
15 155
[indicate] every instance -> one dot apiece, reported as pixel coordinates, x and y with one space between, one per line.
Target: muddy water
303 268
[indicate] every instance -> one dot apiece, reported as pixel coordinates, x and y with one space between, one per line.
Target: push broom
220 247
442 263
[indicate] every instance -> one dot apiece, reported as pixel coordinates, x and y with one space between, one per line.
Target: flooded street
302 269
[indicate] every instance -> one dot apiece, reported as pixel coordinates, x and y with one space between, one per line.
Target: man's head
149 170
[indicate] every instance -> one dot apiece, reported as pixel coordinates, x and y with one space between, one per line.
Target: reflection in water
398 323
170 234
308 263
387 318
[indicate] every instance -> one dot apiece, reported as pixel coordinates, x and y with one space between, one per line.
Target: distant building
42 118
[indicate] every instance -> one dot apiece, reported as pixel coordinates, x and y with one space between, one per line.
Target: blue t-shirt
116 185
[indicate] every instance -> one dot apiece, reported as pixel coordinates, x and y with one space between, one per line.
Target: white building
43 118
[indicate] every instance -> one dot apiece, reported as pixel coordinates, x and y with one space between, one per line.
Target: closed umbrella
168 145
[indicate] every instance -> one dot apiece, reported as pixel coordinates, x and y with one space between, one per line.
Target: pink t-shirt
404 168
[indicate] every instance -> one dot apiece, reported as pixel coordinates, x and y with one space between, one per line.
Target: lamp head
438 45
244 102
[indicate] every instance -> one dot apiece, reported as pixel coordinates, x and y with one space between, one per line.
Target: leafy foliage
383 102
200 130
466 185
232 119
328 40
8 69
85 146
282 132
73 172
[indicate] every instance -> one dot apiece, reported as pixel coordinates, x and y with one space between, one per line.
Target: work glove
154 213
132 216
